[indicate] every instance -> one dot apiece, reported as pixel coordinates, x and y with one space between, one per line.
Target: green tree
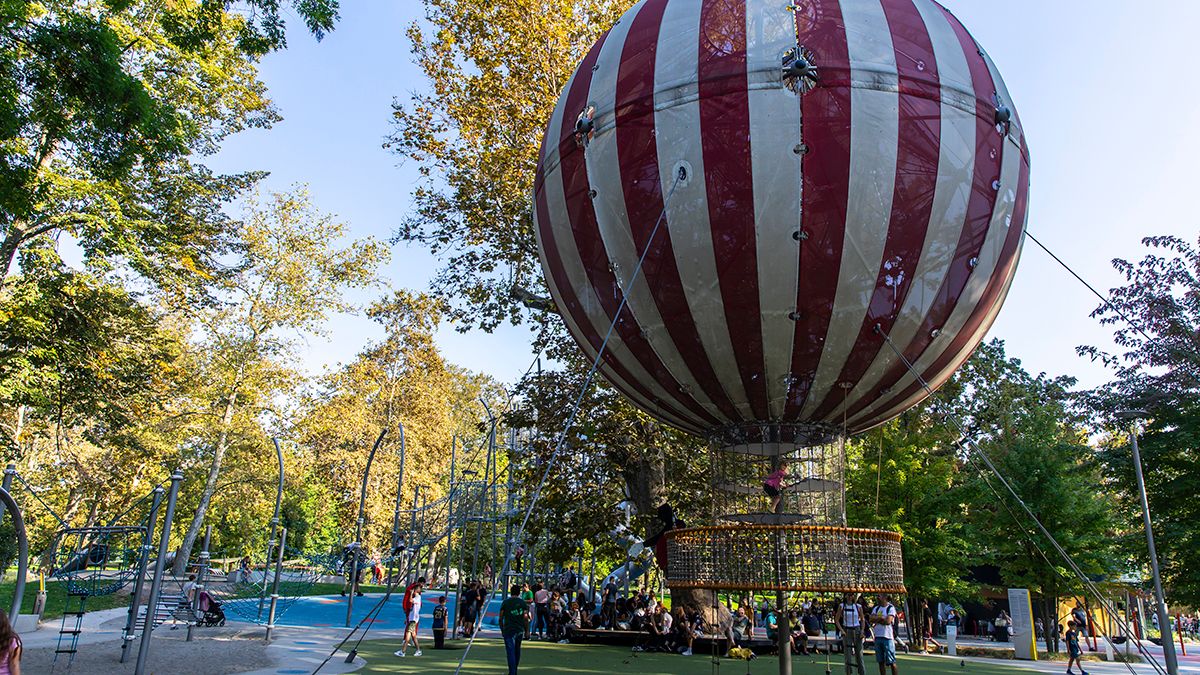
1032 430
494 73
291 276
104 106
400 379
906 477
1155 317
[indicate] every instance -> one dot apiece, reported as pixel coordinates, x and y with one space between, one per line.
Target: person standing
527 596
608 603
849 621
439 624
412 608
541 600
514 620
883 625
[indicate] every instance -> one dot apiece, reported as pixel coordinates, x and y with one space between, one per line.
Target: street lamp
1164 619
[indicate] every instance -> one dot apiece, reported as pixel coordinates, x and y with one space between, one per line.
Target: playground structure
98 560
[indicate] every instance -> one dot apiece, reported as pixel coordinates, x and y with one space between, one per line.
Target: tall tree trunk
210 486
19 229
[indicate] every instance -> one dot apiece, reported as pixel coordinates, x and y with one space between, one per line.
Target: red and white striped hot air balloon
828 173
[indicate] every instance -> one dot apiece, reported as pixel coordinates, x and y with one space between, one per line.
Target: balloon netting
785 558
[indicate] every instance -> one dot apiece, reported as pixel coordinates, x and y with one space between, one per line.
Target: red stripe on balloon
943 368
982 202
725 141
570 304
637 153
825 169
919 141
594 258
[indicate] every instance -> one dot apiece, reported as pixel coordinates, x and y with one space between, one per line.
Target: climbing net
785 558
95 560
812 492
240 593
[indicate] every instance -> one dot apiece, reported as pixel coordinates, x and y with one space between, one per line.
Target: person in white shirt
883 623
189 592
849 621
413 618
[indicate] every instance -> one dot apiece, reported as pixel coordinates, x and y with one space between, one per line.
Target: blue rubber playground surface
323 611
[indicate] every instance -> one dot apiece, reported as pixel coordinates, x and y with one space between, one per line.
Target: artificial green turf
487 656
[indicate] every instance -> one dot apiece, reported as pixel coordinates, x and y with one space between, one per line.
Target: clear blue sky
1105 90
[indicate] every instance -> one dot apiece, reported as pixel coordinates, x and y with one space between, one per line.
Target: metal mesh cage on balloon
779 507
812 493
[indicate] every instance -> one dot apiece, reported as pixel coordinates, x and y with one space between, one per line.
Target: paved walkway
293 650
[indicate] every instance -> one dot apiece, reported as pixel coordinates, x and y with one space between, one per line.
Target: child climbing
773 484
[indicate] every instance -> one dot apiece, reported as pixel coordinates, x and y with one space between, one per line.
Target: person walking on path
849 621
883 625
1073 649
412 609
514 620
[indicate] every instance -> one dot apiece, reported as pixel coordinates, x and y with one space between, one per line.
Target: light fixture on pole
1164 619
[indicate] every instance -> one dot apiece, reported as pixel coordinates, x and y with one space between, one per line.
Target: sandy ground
218 651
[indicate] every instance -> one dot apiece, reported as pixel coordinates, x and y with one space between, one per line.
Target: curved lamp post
274 526
396 510
362 501
22 551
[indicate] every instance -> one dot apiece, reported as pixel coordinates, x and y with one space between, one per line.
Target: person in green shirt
514 621
527 596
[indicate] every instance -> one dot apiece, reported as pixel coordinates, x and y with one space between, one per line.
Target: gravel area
214 651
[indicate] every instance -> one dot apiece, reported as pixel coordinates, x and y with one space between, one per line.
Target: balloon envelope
802 182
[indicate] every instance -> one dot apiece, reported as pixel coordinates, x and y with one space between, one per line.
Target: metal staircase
168 608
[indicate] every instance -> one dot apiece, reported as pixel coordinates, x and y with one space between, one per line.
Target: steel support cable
1042 553
374 611
968 444
583 392
133 506
1104 299
40 501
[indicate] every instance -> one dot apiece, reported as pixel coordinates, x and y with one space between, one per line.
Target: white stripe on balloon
874 141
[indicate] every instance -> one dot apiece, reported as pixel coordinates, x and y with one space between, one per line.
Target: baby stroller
209 612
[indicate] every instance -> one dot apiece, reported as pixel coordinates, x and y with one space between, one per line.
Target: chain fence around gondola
246 596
